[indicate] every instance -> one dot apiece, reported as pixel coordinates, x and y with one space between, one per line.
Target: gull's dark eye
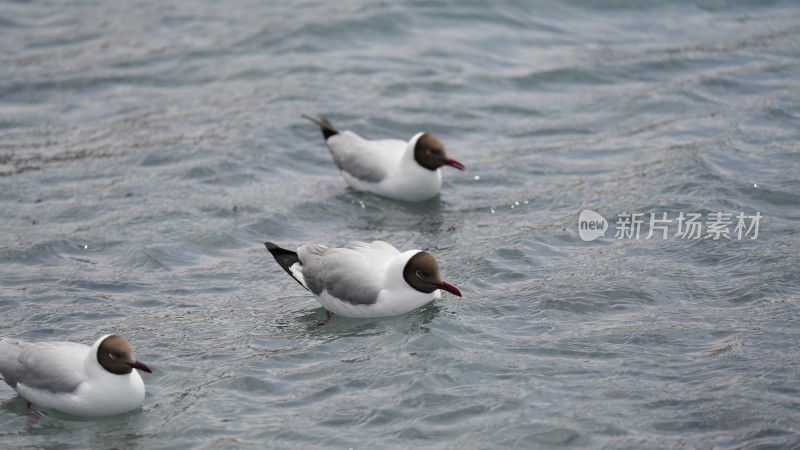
420 273
113 355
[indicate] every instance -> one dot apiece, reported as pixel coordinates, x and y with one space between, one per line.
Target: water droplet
516 203
492 210
85 247
476 177
526 202
755 185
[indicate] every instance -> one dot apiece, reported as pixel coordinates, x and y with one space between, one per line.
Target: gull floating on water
365 280
75 378
389 167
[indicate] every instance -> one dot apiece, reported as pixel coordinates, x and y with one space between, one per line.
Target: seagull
390 168
364 280
75 378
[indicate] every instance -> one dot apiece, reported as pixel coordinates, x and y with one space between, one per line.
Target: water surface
147 149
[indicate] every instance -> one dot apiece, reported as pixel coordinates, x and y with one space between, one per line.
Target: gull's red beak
454 163
141 366
445 286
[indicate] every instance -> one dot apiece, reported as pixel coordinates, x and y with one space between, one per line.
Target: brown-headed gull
365 280
75 378
390 168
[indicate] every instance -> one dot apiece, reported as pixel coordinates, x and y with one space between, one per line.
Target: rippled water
147 149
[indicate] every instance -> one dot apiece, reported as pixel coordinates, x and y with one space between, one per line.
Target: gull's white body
370 273
66 377
384 167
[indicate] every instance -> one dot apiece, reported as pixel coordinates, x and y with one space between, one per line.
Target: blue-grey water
148 148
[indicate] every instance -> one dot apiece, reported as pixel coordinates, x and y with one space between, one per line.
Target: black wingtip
278 251
285 258
324 125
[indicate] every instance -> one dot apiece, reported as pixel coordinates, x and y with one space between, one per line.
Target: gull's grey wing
351 153
50 366
355 274
9 361
310 256
362 159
